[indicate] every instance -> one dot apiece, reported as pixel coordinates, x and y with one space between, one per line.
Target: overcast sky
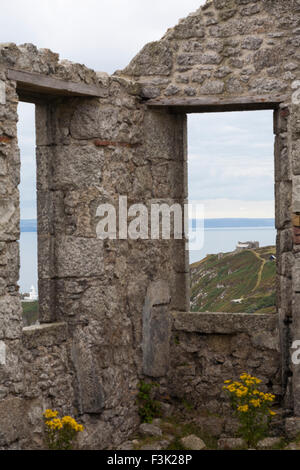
230 155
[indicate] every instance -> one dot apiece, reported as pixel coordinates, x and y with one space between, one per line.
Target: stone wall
106 305
81 360
226 48
90 151
241 55
209 348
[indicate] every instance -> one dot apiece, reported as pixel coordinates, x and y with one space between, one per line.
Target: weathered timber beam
31 85
37 98
210 104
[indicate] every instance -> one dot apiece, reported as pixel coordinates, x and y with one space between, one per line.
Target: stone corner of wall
48 334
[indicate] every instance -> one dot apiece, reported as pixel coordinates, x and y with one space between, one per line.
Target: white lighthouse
32 297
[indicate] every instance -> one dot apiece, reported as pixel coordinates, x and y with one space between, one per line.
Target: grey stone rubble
193 443
231 443
269 442
115 312
150 430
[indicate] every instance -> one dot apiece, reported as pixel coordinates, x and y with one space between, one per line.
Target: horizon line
212 218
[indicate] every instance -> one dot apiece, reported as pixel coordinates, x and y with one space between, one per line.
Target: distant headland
30 225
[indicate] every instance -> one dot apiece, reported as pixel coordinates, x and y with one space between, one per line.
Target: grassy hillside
248 275
30 312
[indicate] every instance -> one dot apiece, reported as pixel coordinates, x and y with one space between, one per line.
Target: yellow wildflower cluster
251 406
69 421
243 408
247 395
49 414
54 423
255 402
237 388
249 380
60 432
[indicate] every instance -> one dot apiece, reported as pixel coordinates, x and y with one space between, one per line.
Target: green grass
216 282
30 312
183 429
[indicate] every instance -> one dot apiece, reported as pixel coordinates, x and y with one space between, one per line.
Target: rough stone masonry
113 312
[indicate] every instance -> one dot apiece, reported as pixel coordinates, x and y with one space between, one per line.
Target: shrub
148 407
60 432
251 406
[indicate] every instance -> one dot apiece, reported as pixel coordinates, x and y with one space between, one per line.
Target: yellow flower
255 403
71 422
244 376
241 392
243 408
269 397
272 413
49 414
249 382
57 423
227 381
54 424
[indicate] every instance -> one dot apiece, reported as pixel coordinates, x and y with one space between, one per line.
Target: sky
231 163
230 154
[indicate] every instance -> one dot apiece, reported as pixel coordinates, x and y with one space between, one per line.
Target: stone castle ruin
117 311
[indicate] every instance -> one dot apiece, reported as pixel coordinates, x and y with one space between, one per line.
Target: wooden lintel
210 104
36 98
31 85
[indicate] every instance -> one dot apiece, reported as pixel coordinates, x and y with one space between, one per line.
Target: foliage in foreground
30 312
251 406
148 407
60 432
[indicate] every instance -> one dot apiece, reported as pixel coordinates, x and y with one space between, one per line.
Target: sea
220 235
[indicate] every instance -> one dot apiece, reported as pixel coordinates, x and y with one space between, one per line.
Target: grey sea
216 239
28 260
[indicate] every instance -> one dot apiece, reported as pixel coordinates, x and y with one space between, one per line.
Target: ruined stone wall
226 48
106 305
236 52
86 358
84 362
11 378
79 167
209 348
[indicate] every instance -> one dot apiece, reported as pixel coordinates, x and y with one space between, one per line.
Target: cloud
230 155
26 137
104 35
228 208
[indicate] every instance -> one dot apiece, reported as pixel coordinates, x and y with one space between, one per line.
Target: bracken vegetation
248 276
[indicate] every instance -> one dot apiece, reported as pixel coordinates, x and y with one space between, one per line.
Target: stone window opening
55 101
28 281
231 170
174 113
